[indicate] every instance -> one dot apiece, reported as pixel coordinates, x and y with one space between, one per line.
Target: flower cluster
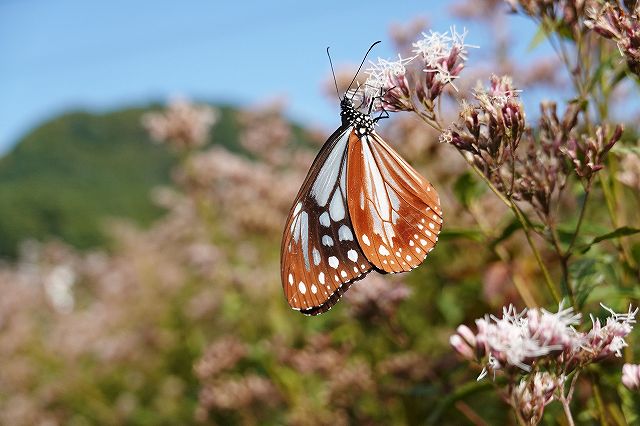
533 394
443 56
414 83
183 125
611 21
568 13
587 154
490 130
388 84
541 173
538 351
531 339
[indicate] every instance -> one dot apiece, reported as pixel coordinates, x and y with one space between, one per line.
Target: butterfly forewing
320 255
395 212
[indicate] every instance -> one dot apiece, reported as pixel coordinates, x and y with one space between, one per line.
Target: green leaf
449 305
624 231
539 37
626 150
587 273
467 188
507 231
597 75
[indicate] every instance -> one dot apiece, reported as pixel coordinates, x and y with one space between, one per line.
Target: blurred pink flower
631 376
182 125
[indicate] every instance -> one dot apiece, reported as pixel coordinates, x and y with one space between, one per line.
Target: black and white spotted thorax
362 123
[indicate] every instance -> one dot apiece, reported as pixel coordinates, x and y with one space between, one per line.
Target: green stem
583 208
514 208
545 272
567 412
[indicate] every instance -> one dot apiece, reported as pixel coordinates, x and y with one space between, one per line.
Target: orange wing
395 212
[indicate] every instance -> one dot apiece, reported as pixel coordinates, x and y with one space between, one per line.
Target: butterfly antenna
334 75
361 64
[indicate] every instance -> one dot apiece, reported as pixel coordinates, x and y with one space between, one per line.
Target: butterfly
361 208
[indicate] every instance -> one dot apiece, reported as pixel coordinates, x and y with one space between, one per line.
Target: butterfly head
350 116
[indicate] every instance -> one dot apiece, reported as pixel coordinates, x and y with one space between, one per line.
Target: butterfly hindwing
395 212
320 256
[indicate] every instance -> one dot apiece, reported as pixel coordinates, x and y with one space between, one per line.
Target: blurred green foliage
68 176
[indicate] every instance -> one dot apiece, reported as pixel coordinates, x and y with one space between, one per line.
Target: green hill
70 174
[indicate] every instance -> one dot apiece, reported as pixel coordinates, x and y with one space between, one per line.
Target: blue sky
77 54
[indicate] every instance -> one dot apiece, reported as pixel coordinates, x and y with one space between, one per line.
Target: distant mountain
70 174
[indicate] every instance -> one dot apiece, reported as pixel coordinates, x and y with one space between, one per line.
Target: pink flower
631 376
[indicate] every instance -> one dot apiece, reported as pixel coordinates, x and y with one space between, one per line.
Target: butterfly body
360 208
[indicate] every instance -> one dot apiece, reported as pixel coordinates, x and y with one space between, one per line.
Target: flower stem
583 208
514 208
567 412
525 226
545 272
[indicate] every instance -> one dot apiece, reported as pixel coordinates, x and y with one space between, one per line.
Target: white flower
383 74
437 49
602 341
509 338
492 365
555 328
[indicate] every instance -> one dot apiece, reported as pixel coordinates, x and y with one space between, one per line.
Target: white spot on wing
352 255
290 279
316 256
321 277
345 234
365 239
383 250
314 289
336 208
302 287
327 241
324 219
304 232
333 262
328 174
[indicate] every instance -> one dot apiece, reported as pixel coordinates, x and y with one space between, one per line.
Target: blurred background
149 153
